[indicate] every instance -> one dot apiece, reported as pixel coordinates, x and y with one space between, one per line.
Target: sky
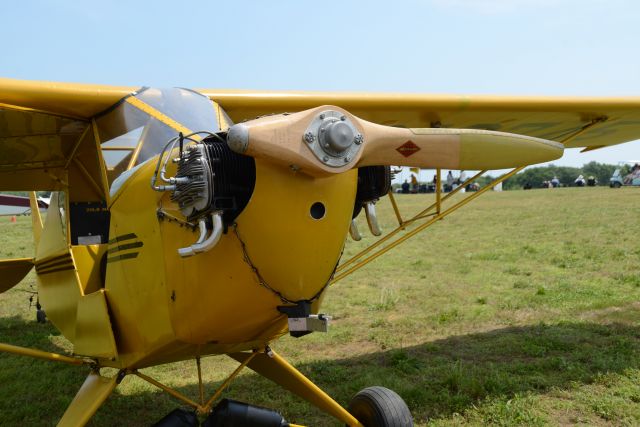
502 47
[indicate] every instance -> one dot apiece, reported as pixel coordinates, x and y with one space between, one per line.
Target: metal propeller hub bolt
309 137
336 140
339 136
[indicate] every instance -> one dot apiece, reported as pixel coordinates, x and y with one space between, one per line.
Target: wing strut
39 354
360 260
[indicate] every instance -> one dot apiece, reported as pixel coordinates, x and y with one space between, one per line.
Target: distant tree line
566 174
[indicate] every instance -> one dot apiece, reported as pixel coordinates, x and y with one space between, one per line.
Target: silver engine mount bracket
311 323
333 138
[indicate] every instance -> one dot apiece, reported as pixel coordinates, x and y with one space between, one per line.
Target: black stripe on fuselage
125 247
54 260
130 255
40 268
54 270
122 238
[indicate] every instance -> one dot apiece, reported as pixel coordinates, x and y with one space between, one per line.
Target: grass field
520 309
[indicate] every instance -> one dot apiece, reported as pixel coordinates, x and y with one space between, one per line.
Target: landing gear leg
90 397
270 365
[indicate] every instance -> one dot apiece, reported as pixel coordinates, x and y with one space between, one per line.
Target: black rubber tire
616 185
380 407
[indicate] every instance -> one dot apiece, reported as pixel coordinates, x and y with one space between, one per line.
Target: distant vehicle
631 179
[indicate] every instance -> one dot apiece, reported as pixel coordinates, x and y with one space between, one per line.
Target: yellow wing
44 133
13 271
587 122
46 140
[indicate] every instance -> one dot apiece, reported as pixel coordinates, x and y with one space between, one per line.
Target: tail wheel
380 407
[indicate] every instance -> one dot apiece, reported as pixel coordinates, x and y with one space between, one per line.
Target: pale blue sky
538 47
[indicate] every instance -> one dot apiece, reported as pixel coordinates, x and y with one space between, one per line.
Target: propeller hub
333 138
338 135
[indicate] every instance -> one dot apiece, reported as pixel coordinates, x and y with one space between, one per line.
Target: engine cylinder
211 177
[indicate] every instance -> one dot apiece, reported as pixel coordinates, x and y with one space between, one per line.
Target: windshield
138 127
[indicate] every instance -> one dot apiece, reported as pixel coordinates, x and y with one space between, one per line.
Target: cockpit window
120 148
133 132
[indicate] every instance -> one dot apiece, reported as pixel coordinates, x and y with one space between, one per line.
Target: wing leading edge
581 122
46 140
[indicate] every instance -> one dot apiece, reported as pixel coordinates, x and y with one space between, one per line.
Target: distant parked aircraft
18 205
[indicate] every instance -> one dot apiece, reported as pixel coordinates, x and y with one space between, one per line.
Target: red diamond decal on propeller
408 148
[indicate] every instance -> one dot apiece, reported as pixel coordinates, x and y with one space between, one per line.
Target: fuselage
163 307
225 299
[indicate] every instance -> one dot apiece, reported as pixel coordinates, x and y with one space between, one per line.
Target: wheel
380 407
616 185
179 418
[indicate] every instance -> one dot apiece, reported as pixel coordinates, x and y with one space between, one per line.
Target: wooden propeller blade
297 140
453 148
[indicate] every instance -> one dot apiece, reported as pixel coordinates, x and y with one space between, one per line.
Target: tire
380 407
616 185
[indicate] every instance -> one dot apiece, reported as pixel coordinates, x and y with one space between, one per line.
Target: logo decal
408 148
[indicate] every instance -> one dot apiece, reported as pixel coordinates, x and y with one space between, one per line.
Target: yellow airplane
186 223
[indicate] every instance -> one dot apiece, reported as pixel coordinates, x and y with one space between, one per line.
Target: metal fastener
309 137
321 116
325 159
358 139
343 118
347 159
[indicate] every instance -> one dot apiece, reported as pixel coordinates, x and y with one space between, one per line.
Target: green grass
520 309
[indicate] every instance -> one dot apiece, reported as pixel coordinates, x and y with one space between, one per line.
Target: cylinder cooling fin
373 183
212 178
234 179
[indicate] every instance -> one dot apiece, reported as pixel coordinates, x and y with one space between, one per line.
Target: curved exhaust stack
204 243
354 232
372 218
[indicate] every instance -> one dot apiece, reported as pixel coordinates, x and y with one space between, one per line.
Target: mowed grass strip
520 309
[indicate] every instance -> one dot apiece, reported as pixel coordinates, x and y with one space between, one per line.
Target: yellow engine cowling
217 296
166 307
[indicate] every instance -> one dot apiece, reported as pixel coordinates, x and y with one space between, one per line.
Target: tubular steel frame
45 355
202 407
360 260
